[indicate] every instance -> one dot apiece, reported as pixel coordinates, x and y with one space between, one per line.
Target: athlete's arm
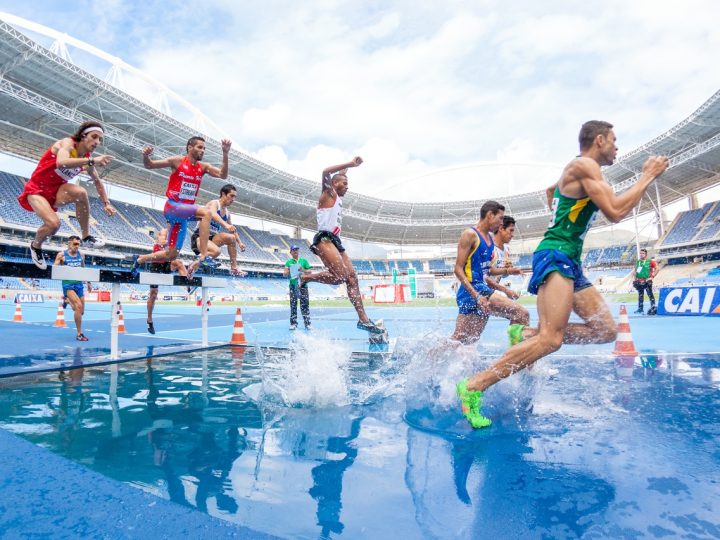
616 207
220 172
214 207
65 146
498 287
172 162
549 193
332 169
468 240
60 258
108 207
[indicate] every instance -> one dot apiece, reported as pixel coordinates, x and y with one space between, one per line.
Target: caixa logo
689 301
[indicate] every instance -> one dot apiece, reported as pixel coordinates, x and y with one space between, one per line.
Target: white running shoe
92 242
38 259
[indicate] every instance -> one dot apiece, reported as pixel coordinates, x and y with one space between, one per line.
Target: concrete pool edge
44 494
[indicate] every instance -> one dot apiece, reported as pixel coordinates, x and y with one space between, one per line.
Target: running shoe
370 326
135 268
639 311
81 337
64 303
151 327
652 311
92 242
38 258
307 326
515 333
210 262
471 402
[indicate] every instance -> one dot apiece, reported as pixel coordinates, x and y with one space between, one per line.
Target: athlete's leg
152 297
468 328
502 306
353 288
336 272
71 193
51 221
204 217
213 250
168 254
77 307
178 266
555 303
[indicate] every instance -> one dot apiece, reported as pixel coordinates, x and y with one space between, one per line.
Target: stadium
45 95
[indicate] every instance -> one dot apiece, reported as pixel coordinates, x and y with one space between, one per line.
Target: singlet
215 227
156 248
570 221
500 255
330 219
48 175
479 259
75 262
184 182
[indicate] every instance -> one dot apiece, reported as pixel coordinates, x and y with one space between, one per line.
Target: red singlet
47 178
184 182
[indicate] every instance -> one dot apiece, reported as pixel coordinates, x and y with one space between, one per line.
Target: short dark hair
78 135
643 250
490 206
590 130
227 188
507 221
73 237
192 141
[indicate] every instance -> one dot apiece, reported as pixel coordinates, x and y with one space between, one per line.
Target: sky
415 87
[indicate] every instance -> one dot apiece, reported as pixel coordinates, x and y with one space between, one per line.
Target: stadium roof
44 97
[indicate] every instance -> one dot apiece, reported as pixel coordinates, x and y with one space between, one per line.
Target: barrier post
115 307
204 316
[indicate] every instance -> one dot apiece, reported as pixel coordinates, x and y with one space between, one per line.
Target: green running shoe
515 333
471 401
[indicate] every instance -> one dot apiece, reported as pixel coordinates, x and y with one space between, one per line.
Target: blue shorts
178 216
551 260
79 289
467 305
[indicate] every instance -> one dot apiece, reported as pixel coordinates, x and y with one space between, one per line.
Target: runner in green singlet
557 273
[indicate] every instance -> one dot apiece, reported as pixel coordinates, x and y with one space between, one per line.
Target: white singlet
330 219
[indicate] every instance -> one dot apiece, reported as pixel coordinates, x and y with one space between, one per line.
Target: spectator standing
295 266
645 271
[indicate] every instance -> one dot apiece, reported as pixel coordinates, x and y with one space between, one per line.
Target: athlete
502 265
73 291
477 296
222 231
327 245
49 186
182 190
557 276
162 267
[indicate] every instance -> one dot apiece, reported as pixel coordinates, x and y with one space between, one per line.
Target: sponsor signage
29 298
689 301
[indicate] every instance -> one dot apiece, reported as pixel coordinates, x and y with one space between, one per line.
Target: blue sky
414 87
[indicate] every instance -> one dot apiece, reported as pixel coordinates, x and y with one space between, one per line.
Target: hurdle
116 278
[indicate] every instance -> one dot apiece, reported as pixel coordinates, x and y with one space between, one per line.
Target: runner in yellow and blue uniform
476 298
557 275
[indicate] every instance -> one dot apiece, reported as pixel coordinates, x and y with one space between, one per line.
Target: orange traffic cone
624 345
121 320
238 335
60 318
18 313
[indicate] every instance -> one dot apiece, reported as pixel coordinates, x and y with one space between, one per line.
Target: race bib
68 174
188 190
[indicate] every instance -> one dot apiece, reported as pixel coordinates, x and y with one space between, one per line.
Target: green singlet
571 219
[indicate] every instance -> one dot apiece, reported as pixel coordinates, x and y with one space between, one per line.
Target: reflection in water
605 449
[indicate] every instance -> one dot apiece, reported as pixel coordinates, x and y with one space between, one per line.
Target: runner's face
91 141
73 246
228 198
197 151
162 237
507 233
496 220
608 148
340 183
295 254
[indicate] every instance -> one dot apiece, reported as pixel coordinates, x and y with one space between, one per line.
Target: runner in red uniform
49 187
182 190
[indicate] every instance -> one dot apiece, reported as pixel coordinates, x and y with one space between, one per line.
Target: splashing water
311 373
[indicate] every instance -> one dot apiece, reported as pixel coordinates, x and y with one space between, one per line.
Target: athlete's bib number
188 190
68 174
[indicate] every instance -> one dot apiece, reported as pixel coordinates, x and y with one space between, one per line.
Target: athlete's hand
655 165
357 160
242 246
512 295
229 227
109 209
226 144
101 161
483 303
147 151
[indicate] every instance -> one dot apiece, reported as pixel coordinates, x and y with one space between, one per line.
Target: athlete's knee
605 333
521 316
203 214
52 222
172 253
551 340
